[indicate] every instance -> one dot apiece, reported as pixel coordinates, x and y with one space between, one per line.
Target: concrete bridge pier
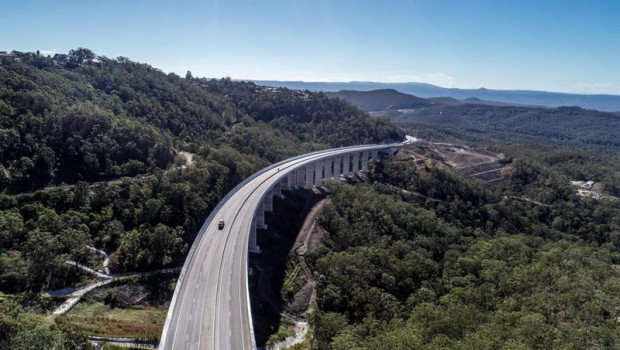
309 178
365 161
375 155
268 201
260 216
292 180
300 175
356 163
283 182
277 190
346 165
337 161
253 246
318 173
328 167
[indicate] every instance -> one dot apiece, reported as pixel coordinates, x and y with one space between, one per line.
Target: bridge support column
300 175
283 182
252 246
328 167
337 161
365 161
318 173
277 190
375 155
292 180
346 165
268 201
260 216
356 163
309 176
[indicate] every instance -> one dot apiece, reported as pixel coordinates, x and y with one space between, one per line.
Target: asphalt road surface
211 304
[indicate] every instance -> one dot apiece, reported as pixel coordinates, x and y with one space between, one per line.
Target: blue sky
568 46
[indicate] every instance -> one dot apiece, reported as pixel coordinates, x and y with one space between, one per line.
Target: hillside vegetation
380 100
582 144
568 125
420 258
89 156
415 256
75 119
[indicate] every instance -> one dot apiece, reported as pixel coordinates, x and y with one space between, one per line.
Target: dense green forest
73 118
568 125
91 154
420 258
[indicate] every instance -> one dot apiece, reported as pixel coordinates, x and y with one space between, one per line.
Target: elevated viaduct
210 308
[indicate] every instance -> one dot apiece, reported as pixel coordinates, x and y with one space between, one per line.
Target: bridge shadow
269 267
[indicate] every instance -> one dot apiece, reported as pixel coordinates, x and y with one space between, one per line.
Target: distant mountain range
382 100
513 122
392 100
609 103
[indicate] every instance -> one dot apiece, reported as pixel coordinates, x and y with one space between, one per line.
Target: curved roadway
210 308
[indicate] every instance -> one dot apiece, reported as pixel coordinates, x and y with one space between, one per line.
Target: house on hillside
4 56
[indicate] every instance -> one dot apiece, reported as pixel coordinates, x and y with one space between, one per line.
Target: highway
210 308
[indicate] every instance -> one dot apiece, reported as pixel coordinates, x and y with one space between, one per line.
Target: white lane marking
180 308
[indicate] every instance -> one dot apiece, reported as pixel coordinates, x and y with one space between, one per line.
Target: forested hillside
73 118
118 155
419 258
380 100
568 125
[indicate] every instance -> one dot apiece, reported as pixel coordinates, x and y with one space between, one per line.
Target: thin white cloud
48 52
438 79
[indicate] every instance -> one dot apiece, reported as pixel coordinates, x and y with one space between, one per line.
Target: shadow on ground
269 267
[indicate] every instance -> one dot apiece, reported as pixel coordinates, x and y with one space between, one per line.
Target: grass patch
294 279
98 319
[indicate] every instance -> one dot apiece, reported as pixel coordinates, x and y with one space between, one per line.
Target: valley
117 156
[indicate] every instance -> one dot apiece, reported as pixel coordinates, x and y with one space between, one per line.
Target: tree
43 251
79 55
11 228
21 330
75 242
80 194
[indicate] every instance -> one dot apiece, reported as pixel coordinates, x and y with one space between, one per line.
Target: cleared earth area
477 163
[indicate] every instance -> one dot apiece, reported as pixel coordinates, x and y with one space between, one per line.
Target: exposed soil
481 164
310 235
189 158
